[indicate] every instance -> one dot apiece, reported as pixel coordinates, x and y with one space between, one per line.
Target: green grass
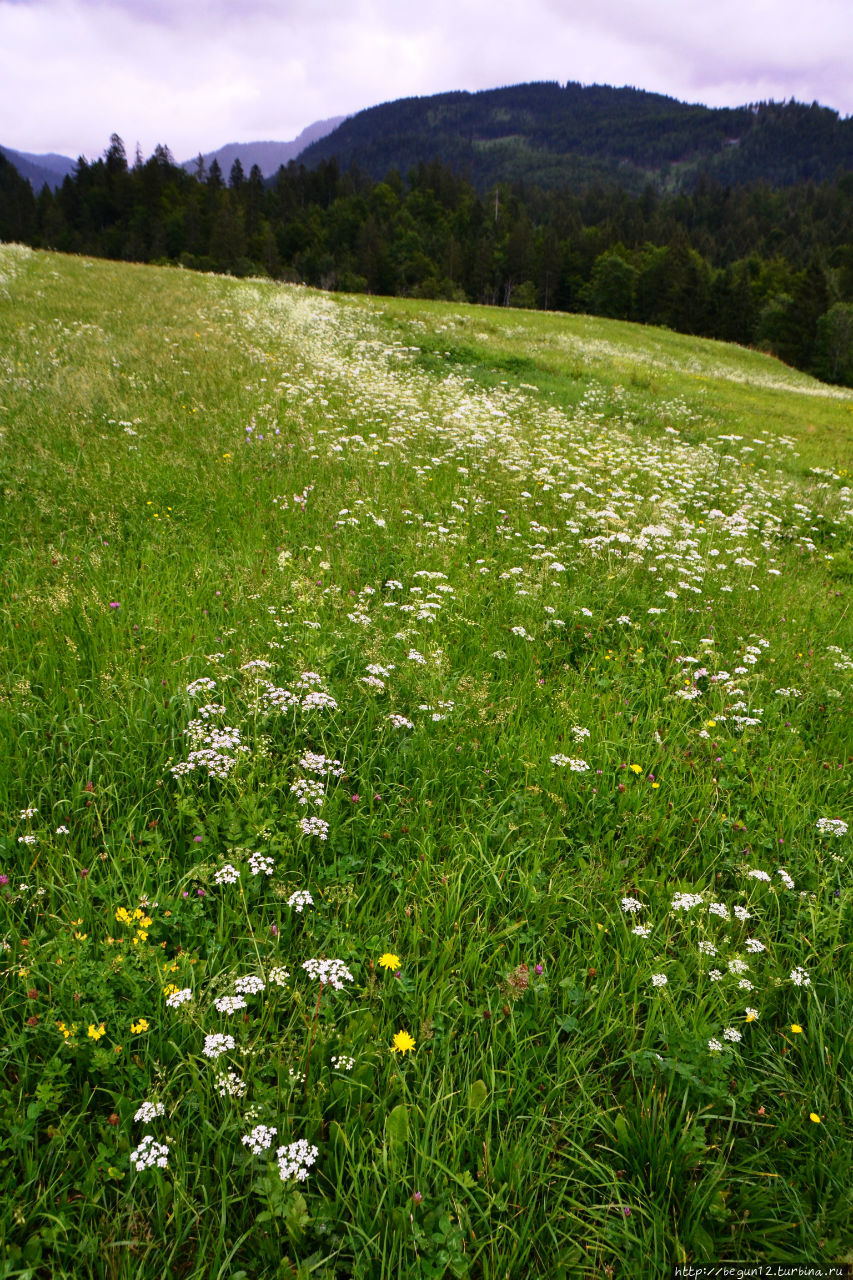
245 471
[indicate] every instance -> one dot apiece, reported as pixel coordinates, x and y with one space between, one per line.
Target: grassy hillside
427 772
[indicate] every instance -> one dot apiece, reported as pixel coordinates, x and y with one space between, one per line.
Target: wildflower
715 975
227 874
279 975
62 830
295 1160
300 900
800 977
831 827
230 1085
259 1139
175 998
149 1111
333 973
659 979
754 946
815 1119
342 1062
95 1033
641 930
389 961
403 1042
686 901
715 1046
140 1026
733 1035
250 985
759 875
229 1004
217 1044
751 1014
260 864
719 909
742 914
314 826
796 1028
149 1153
707 948
635 768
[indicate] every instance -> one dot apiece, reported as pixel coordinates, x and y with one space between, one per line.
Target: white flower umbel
279 975
229 1004
314 826
831 827
149 1111
217 1044
332 973
300 900
227 874
250 985
261 864
177 998
149 1154
295 1160
259 1139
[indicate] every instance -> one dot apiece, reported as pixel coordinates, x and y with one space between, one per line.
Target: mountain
575 135
268 156
43 170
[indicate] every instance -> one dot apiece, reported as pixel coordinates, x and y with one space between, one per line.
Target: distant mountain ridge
268 156
574 135
44 170
50 169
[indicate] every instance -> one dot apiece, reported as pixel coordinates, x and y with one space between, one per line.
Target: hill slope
425 789
554 135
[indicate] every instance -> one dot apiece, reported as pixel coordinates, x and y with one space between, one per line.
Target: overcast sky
196 74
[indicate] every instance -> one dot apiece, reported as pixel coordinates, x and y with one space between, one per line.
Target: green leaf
397 1126
477 1095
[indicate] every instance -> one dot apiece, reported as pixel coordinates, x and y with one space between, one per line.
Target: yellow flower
814 1118
123 915
94 1032
67 1032
170 990
389 961
711 724
81 937
796 1028
635 768
403 1042
655 786
141 1025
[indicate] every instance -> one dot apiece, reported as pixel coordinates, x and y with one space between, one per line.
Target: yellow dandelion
403 1042
635 768
389 961
815 1119
796 1028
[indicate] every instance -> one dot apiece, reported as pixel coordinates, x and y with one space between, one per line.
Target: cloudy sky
196 74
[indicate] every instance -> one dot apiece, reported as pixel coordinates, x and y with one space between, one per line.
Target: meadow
425 789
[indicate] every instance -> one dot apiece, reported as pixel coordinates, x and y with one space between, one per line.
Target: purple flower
200 892
416 1197
537 969
197 839
4 879
114 604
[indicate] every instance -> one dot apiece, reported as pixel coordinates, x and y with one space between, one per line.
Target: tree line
771 268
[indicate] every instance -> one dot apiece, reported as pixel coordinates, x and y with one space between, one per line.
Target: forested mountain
771 267
268 156
571 135
41 170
